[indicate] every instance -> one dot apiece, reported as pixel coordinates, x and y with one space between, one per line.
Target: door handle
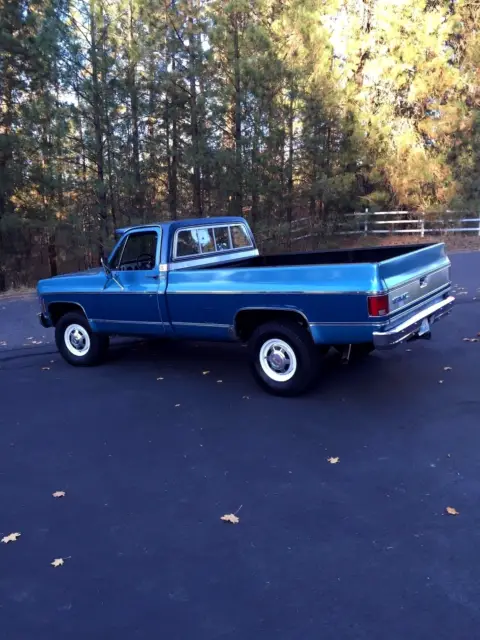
154 277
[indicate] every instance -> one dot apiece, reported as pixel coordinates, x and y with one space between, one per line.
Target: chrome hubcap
278 360
77 340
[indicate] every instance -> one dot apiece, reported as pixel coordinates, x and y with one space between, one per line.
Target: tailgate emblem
401 298
423 281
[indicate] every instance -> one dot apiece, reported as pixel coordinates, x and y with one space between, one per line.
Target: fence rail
423 224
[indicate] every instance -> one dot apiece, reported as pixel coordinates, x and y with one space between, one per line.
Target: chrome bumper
409 329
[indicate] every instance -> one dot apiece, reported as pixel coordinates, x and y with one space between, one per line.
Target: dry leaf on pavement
45 368
58 494
447 368
177 405
11 538
205 373
333 460
440 382
452 511
230 517
159 378
219 381
57 562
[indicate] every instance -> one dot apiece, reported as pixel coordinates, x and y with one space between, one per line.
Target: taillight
378 305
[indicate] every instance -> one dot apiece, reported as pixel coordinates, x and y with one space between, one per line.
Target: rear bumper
409 329
44 321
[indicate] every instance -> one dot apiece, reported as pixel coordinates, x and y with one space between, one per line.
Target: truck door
130 298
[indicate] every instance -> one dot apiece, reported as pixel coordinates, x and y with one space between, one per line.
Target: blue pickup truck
205 280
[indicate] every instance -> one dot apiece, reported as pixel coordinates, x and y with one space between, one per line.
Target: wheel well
58 309
247 320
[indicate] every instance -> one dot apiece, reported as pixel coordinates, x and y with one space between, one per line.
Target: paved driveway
357 550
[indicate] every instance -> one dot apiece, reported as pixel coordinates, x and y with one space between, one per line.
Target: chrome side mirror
109 274
106 268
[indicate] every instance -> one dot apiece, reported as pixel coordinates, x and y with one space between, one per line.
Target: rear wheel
283 358
77 343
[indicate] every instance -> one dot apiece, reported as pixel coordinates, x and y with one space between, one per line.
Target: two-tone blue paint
179 298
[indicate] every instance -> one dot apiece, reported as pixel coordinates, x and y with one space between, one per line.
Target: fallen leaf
408 350
58 494
230 517
440 382
447 368
159 378
452 511
11 538
57 562
333 460
45 368
245 397
177 405
205 373
219 381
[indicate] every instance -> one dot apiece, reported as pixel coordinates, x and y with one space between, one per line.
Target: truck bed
332 256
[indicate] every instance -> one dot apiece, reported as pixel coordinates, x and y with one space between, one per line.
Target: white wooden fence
418 223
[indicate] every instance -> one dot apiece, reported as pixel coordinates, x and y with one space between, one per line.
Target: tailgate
415 276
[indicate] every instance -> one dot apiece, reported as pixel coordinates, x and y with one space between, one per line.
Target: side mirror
106 268
109 274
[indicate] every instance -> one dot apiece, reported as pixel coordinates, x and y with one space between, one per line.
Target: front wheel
76 342
283 358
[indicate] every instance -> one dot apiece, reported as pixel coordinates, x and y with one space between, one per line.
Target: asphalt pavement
156 445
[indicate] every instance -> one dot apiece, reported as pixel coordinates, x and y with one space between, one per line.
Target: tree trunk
255 180
6 150
237 194
133 90
290 163
108 128
97 105
197 183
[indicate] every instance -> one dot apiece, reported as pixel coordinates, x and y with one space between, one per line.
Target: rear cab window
210 240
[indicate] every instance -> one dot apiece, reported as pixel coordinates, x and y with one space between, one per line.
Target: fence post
422 225
365 223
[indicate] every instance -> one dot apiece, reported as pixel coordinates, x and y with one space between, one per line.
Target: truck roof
186 222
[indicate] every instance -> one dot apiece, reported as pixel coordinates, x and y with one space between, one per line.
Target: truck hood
70 281
89 272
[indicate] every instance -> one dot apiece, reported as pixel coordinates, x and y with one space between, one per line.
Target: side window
240 237
115 259
140 252
187 243
222 238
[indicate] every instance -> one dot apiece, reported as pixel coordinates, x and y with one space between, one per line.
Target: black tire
307 358
98 343
358 351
